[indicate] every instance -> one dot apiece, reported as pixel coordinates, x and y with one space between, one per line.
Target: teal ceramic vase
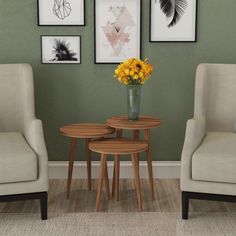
133 101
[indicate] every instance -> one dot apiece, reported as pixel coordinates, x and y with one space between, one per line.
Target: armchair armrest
33 132
195 133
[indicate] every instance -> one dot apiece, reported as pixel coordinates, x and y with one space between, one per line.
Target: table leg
89 154
100 180
119 133
137 180
116 170
136 137
107 182
71 164
149 162
136 134
113 180
117 176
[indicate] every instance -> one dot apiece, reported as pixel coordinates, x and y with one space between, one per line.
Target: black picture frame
61 63
172 41
59 25
95 43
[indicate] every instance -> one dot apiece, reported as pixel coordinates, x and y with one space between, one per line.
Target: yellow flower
127 72
141 74
133 71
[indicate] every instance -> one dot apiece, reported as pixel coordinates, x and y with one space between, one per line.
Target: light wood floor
167 192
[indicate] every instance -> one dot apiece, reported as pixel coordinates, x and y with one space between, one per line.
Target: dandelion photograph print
60 49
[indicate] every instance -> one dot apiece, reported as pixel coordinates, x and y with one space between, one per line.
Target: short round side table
144 123
87 131
118 146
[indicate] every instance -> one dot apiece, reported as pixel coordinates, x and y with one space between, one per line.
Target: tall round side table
144 123
87 131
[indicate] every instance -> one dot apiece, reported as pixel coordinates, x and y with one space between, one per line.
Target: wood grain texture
86 130
147 138
137 181
118 146
100 180
116 175
144 122
89 160
71 164
107 182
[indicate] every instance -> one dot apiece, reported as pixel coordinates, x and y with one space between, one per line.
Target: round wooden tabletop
86 130
144 122
118 146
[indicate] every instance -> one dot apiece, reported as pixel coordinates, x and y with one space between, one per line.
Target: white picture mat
47 17
47 46
184 30
103 47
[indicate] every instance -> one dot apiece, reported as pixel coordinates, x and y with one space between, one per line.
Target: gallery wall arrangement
117 27
87 92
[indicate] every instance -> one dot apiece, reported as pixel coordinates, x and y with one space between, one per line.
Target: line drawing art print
60 49
117 30
61 9
173 20
61 12
173 9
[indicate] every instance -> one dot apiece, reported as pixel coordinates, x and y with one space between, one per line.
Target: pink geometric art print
117 30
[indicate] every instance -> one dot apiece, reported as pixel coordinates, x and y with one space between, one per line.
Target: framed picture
117 29
61 12
173 20
60 49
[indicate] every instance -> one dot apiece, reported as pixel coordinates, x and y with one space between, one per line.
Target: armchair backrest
16 96
215 95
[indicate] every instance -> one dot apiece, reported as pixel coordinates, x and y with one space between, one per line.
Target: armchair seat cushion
215 159
18 163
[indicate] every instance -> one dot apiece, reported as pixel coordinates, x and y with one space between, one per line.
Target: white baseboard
161 169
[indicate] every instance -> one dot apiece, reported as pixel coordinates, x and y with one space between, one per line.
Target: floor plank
167 199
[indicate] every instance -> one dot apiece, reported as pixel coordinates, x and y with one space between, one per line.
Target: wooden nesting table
118 146
87 131
144 123
96 139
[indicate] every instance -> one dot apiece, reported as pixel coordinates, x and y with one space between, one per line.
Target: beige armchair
208 165
23 155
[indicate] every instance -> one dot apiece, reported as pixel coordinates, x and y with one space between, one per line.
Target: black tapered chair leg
185 205
44 205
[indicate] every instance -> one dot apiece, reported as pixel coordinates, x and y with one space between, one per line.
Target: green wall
89 93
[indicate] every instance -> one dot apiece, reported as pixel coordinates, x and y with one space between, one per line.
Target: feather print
173 9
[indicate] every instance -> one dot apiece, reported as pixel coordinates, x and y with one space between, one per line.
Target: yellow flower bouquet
133 73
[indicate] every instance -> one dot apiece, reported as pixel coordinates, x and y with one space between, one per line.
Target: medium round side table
87 131
144 123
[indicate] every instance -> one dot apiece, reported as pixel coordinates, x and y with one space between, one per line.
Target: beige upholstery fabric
215 96
17 115
214 110
215 159
18 162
